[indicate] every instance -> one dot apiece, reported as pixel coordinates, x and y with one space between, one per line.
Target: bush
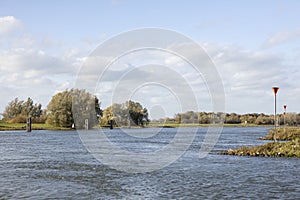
23 119
289 134
18 119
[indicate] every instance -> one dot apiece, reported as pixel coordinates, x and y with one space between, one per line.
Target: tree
178 118
129 113
85 106
204 118
107 116
17 111
232 118
263 119
73 107
136 113
249 118
31 110
13 109
292 119
59 110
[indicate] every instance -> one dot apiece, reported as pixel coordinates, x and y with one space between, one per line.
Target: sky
254 45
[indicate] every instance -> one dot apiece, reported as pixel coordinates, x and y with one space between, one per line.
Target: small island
287 145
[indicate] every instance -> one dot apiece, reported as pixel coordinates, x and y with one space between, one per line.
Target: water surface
55 164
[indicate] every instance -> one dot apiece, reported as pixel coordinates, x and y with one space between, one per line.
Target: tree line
191 117
75 106
72 108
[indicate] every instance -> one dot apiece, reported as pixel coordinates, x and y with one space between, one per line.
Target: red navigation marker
275 90
284 107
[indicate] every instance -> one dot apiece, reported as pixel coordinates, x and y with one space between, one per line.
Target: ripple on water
55 164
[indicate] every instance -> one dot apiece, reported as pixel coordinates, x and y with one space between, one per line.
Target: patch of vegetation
289 133
13 126
272 149
128 114
289 148
22 126
73 107
192 117
17 111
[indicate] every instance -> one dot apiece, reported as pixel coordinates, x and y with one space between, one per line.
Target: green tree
204 118
189 117
85 107
292 119
249 118
233 118
73 107
107 116
137 114
17 111
129 113
13 109
263 119
178 118
30 109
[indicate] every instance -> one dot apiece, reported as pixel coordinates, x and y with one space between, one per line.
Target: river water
56 164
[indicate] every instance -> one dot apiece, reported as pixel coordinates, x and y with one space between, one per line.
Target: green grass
272 149
22 126
290 133
47 127
17 126
289 148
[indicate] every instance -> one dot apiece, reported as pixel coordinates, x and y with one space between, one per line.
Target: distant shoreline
175 125
22 126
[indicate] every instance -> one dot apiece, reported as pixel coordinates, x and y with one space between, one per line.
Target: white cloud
30 67
36 62
8 24
249 75
281 37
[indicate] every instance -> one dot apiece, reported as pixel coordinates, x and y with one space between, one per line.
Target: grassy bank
289 133
272 149
22 126
288 148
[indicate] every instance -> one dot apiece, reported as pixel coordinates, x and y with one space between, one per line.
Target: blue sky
254 44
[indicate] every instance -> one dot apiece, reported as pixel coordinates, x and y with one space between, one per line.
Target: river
55 164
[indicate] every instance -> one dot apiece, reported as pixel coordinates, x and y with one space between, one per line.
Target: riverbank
288 145
22 126
177 125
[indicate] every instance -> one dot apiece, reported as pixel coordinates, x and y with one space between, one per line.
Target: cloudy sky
254 45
